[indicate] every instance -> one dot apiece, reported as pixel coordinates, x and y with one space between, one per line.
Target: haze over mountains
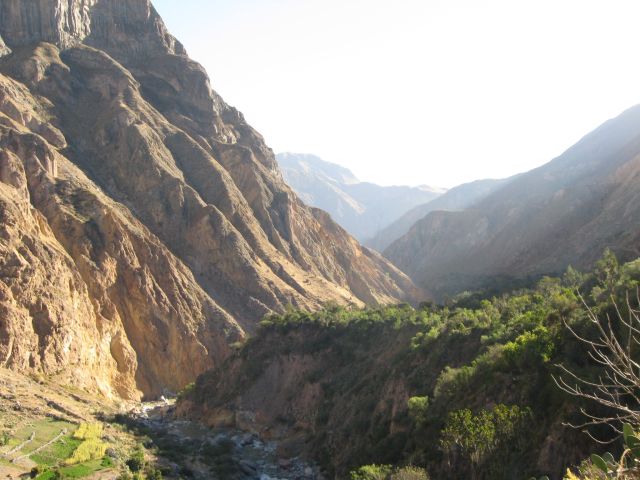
494 233
458 198
362 208
563 213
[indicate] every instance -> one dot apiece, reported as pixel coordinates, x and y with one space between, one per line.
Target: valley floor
38 422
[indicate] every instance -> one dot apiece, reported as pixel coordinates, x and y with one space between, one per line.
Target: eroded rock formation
145 226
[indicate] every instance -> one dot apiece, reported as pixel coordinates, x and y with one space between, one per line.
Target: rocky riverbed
191 450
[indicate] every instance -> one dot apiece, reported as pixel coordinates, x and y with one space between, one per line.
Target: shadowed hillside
456 199
565 212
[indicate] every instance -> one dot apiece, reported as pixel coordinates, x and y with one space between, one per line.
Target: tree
387 472
615 350
474 438
409 473
136 461
418 409
372 472
572 278
606 271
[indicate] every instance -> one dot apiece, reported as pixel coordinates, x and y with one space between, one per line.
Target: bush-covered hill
465 390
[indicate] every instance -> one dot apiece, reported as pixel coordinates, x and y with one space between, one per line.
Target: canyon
167 280
146 226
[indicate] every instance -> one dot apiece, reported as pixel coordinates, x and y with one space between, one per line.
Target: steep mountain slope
458 198
361 208
395 385
145 225
565 212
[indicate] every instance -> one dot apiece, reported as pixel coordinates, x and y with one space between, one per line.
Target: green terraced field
76 471
44 431
53 455
56 452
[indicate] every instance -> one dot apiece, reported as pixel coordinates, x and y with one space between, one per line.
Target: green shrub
153 474
418 409
452 380
387 472
186 391
476 437
136 461
372 472
531 348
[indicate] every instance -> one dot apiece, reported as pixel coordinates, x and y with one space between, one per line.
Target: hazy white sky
435 92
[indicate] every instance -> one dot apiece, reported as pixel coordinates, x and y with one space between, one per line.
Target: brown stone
145 226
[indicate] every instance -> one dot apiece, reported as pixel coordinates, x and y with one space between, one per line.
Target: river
189 449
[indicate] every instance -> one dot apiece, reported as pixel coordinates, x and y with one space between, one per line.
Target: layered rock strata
146 226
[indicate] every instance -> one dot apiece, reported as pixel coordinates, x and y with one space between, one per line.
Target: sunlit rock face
145 225
105 23
60 22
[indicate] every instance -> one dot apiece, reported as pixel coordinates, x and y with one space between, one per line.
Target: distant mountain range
565 212
362 208
458 198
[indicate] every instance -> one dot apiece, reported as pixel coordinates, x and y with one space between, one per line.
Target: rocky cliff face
106 24
145 225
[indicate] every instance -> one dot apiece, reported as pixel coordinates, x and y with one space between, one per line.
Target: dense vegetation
479 372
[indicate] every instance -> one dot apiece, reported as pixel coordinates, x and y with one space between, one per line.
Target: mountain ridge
563 213
458 198
362 208
173 228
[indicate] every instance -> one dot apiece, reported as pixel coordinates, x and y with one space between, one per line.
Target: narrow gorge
146 226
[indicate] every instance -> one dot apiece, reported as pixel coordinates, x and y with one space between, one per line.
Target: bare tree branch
618 386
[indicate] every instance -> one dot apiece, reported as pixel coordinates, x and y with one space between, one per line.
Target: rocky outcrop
107 24
4 50
61 22
566 212
164 223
